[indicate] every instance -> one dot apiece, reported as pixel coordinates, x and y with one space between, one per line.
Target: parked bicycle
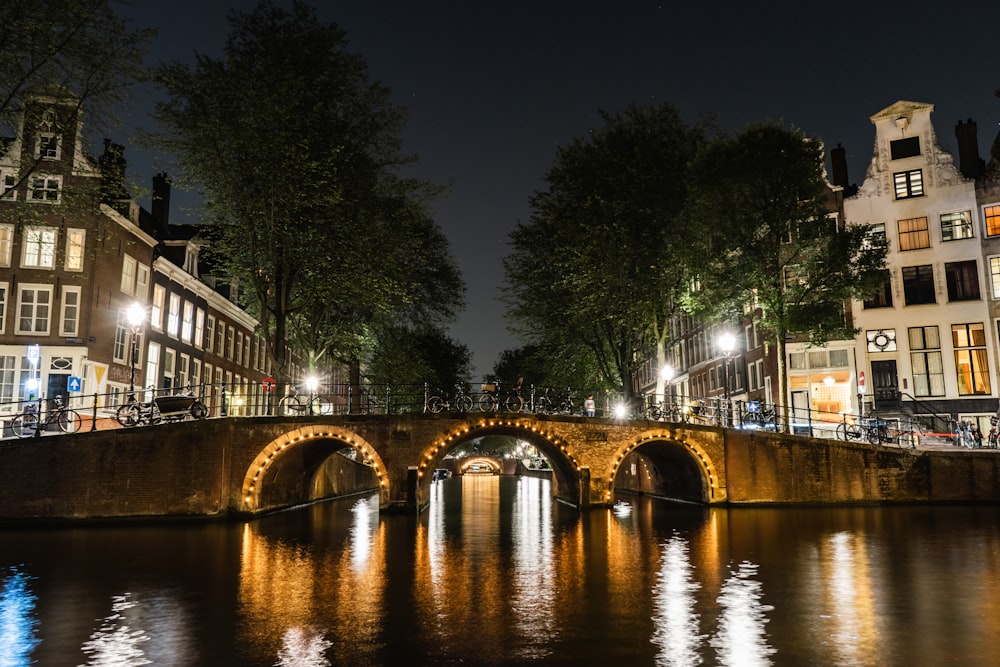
296 404
991 438
459 400
27 422
667 410
174 407
699 412
494 397
549 403
759 416
967 434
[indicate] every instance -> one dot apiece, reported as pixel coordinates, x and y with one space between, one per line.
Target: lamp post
727 344
312 384
136 315
667 374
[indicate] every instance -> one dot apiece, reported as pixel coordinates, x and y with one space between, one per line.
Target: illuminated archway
271 453
681 456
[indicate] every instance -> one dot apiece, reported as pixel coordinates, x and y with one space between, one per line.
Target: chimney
161 203
838 163
969 162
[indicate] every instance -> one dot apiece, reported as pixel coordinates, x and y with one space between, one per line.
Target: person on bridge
589 407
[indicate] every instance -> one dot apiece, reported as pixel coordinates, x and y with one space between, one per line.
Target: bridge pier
585 491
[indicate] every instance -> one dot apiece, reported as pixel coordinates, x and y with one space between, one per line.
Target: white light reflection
115 642
17 625
740 639
303 647
534 577
363 530
622 508
675 623
854 627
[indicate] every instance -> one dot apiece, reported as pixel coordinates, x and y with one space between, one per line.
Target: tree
77 49
296 151
770 241
601 264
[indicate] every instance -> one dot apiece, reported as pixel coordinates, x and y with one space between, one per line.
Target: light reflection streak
740 638
17 625
849 586
303 647
363 530
116 642
533 576
675 623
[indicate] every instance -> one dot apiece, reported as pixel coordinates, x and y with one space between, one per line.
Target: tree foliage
600 265
405 359
297 153
769 239
74 48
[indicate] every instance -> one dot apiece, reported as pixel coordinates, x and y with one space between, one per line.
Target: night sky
493 88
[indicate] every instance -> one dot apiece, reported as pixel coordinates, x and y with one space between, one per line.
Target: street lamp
667 374
136 315
311 384
727 344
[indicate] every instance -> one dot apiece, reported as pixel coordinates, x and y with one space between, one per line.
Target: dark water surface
496 573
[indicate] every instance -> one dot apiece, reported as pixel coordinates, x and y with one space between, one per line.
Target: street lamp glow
726 343
667 373
620 411
135 314
312 384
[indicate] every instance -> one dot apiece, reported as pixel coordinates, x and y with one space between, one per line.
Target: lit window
3 307
995 277
33 309
45 189
141 282
908 184
128 274
199 328
991 214
174 315
187 323
6 243
70 317
75 245
156 311
209 333
971 364
39 248
914 234
957 225
927 361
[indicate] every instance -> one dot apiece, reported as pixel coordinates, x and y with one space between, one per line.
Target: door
885 384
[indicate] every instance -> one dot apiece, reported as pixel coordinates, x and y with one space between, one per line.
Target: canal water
497 573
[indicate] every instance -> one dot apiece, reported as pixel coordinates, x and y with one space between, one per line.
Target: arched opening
660 466
529 436
311 463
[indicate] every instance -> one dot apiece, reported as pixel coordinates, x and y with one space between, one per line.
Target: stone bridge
243 466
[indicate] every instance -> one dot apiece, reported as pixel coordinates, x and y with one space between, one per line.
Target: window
926 361
883 297
230 336
75 245
209 333
196 371
991 214
141 282
875 237
239 348
70 316
121 338
913 234
199 327
152 364
3 307
6 244
34 304
39 250
995 276
963 280
183 364
156 311
47 146
45 189
908 184
7 183
918 284
128 274
904 148
220 339
971 366
957 225
169 358
174 315
7 372
187 322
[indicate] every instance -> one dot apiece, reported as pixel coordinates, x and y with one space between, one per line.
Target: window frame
129 264
923 284
64 310
913 234
966 224
6 244
962 280
976 358
76 248
905 186
33 251
923 355
991 219
42 184
37 288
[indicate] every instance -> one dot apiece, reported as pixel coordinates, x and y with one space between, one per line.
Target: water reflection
740 639
303 647
17 621
675 621
118 641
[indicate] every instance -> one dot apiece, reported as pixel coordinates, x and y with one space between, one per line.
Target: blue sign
753 406
74 383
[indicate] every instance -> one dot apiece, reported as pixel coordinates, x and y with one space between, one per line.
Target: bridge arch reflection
286 468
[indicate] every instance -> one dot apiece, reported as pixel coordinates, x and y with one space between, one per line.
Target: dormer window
908 184
47 147
903 148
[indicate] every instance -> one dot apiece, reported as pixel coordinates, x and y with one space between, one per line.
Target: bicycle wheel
128 414
199 410
514 403
543 406
876 435
752 420
24 424
70 421
654 413
435 404
290 406
322 405
488 403
464 404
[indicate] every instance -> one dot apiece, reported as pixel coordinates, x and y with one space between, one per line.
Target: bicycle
461 400
493 397
27 423
294 404
555 405
698 413
759 416
991 437
967 434
850 430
